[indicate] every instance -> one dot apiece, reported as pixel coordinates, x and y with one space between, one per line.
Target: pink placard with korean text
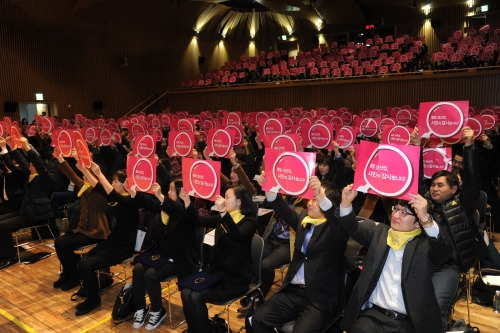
289 172
436 159
388 170
442 119
180 143
200 178
220 142
141 172
317 135
283 142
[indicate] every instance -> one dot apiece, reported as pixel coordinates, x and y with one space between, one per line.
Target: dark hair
178 185
121 175
405 204
451 178
247 207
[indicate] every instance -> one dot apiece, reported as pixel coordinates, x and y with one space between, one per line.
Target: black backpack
124 307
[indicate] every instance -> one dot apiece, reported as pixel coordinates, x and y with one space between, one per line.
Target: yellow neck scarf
314 222
164 217
32 176
236 216
398 239
84 188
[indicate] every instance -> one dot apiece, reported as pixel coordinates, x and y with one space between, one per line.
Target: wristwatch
429 221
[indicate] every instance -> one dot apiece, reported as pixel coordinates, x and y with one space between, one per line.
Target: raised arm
96 170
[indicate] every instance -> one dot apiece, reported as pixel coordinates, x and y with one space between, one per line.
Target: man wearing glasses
394 292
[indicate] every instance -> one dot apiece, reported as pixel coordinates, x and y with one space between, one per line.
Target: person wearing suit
394 292
231 260
35 205
310 293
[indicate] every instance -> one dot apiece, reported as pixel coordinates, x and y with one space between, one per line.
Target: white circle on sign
238 135
190 143
435 106
286 137
398 128
208 196
150 168
228 146
306 167
407 163
269 121
351 137
326 128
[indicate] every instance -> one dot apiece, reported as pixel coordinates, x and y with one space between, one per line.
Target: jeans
445 280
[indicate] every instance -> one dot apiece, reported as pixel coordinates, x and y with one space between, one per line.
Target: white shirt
388 293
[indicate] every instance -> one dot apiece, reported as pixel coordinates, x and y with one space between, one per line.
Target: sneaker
140 317
155 319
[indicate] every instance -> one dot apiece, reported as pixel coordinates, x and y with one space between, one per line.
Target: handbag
153 258
198 281
124 307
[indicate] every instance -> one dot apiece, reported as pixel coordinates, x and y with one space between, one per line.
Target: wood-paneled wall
72 53
481 88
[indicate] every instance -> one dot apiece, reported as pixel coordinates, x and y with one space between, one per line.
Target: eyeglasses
403 212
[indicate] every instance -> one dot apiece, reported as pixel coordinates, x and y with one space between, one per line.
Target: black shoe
70 284
6 262
60 282
245 301
87 306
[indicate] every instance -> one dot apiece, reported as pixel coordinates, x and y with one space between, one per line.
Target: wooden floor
29 303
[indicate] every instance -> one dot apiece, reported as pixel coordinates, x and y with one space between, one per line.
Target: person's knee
150 275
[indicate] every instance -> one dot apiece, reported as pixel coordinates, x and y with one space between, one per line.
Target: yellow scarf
164 217
32 176
398 239
237 216
84 188
125 194
314 222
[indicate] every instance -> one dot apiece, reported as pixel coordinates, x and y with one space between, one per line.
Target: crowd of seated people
377 55
299 233
468 50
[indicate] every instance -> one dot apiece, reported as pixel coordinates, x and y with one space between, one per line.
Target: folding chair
255 282
25 230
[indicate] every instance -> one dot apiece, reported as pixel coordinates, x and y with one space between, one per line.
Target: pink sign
135 130
232 118
84 157
442 119
436 159
282 142
220 142
397 135
346 117
389 170
47 124
239 134
15 137
144 146
105 138
141 173
289 172
476 125
317 135
201 178
186 125
368 127
90 134
403 116
180 143
63 141
271 126
346 136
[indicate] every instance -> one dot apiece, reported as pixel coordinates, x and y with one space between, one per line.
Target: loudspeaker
201 60
97 105
10 106
435 23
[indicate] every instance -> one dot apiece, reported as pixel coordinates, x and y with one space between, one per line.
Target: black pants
287 305
9 223
372 321
276 254
104 255
65 248
145 278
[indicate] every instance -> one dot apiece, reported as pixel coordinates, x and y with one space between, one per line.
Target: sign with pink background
442 119
180 143
436 159
141 172
200 178
389 170
289 172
